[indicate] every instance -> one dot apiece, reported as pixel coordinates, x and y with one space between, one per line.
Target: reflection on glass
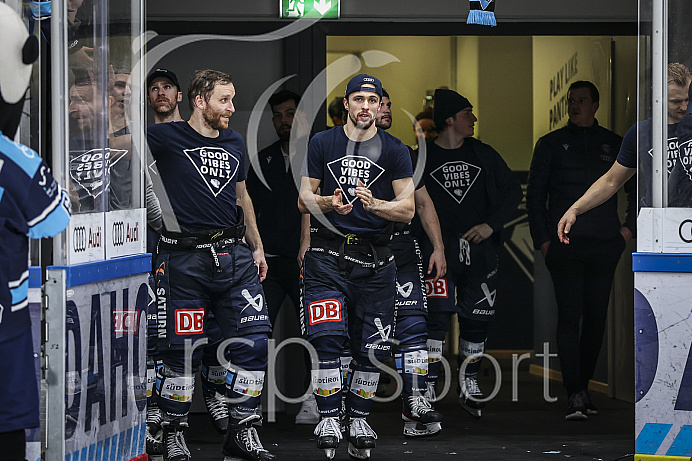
102 169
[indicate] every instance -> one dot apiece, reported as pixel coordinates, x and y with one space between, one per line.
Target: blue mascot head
17 53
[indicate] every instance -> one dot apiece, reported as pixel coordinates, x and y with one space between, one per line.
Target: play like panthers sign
456 178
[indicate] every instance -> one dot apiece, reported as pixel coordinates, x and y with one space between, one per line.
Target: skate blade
358 453
475 412
330 452
422 430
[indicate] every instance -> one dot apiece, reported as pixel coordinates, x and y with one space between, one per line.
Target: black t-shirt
339 162
628 155
457 185
199 173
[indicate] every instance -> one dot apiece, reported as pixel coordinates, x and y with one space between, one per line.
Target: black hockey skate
471 398
242 441
174 446
153 431
361 438
420 419
328 432
218 410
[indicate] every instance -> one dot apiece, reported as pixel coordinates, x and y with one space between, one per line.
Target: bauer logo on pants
189 321
326 310
404 290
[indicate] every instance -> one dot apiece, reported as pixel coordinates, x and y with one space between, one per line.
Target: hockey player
209 267
348 279
32 205
475 194
411 357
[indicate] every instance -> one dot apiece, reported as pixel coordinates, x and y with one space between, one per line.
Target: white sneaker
308 413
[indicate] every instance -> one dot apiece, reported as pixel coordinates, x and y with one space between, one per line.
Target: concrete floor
527 429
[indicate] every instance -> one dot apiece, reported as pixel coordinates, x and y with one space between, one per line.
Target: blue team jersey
32 204
199 173
340 163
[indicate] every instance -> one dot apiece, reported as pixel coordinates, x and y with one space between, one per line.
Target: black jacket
566 162
278 217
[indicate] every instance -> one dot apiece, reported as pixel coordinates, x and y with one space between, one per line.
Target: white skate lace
216 407
360 428
464 252
471 387
154 416
329 427
248 435
175 444
418 405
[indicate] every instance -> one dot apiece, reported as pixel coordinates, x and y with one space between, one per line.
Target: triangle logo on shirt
456 178
350 169
87 169
215 165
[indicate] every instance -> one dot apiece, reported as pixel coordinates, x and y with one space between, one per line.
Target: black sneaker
591 409
577 407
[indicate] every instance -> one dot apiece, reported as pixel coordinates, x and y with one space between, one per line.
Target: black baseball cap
357 82
165 73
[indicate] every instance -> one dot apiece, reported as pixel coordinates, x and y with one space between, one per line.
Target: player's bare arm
431 225
600 191
310 202
252 236
401 209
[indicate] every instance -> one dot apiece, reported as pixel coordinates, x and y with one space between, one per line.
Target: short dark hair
336 107
427 113
385 94
283 96
203 83
593 91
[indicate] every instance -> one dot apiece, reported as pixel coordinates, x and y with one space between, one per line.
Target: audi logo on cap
118 233
79 239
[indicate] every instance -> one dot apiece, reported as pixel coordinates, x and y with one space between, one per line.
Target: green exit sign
296 9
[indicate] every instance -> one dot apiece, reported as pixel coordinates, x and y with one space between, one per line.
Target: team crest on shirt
350 169
456 178
215 165
87 169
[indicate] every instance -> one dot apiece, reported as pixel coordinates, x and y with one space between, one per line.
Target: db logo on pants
189 321
327 310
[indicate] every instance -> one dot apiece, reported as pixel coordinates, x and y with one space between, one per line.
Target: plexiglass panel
103 169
